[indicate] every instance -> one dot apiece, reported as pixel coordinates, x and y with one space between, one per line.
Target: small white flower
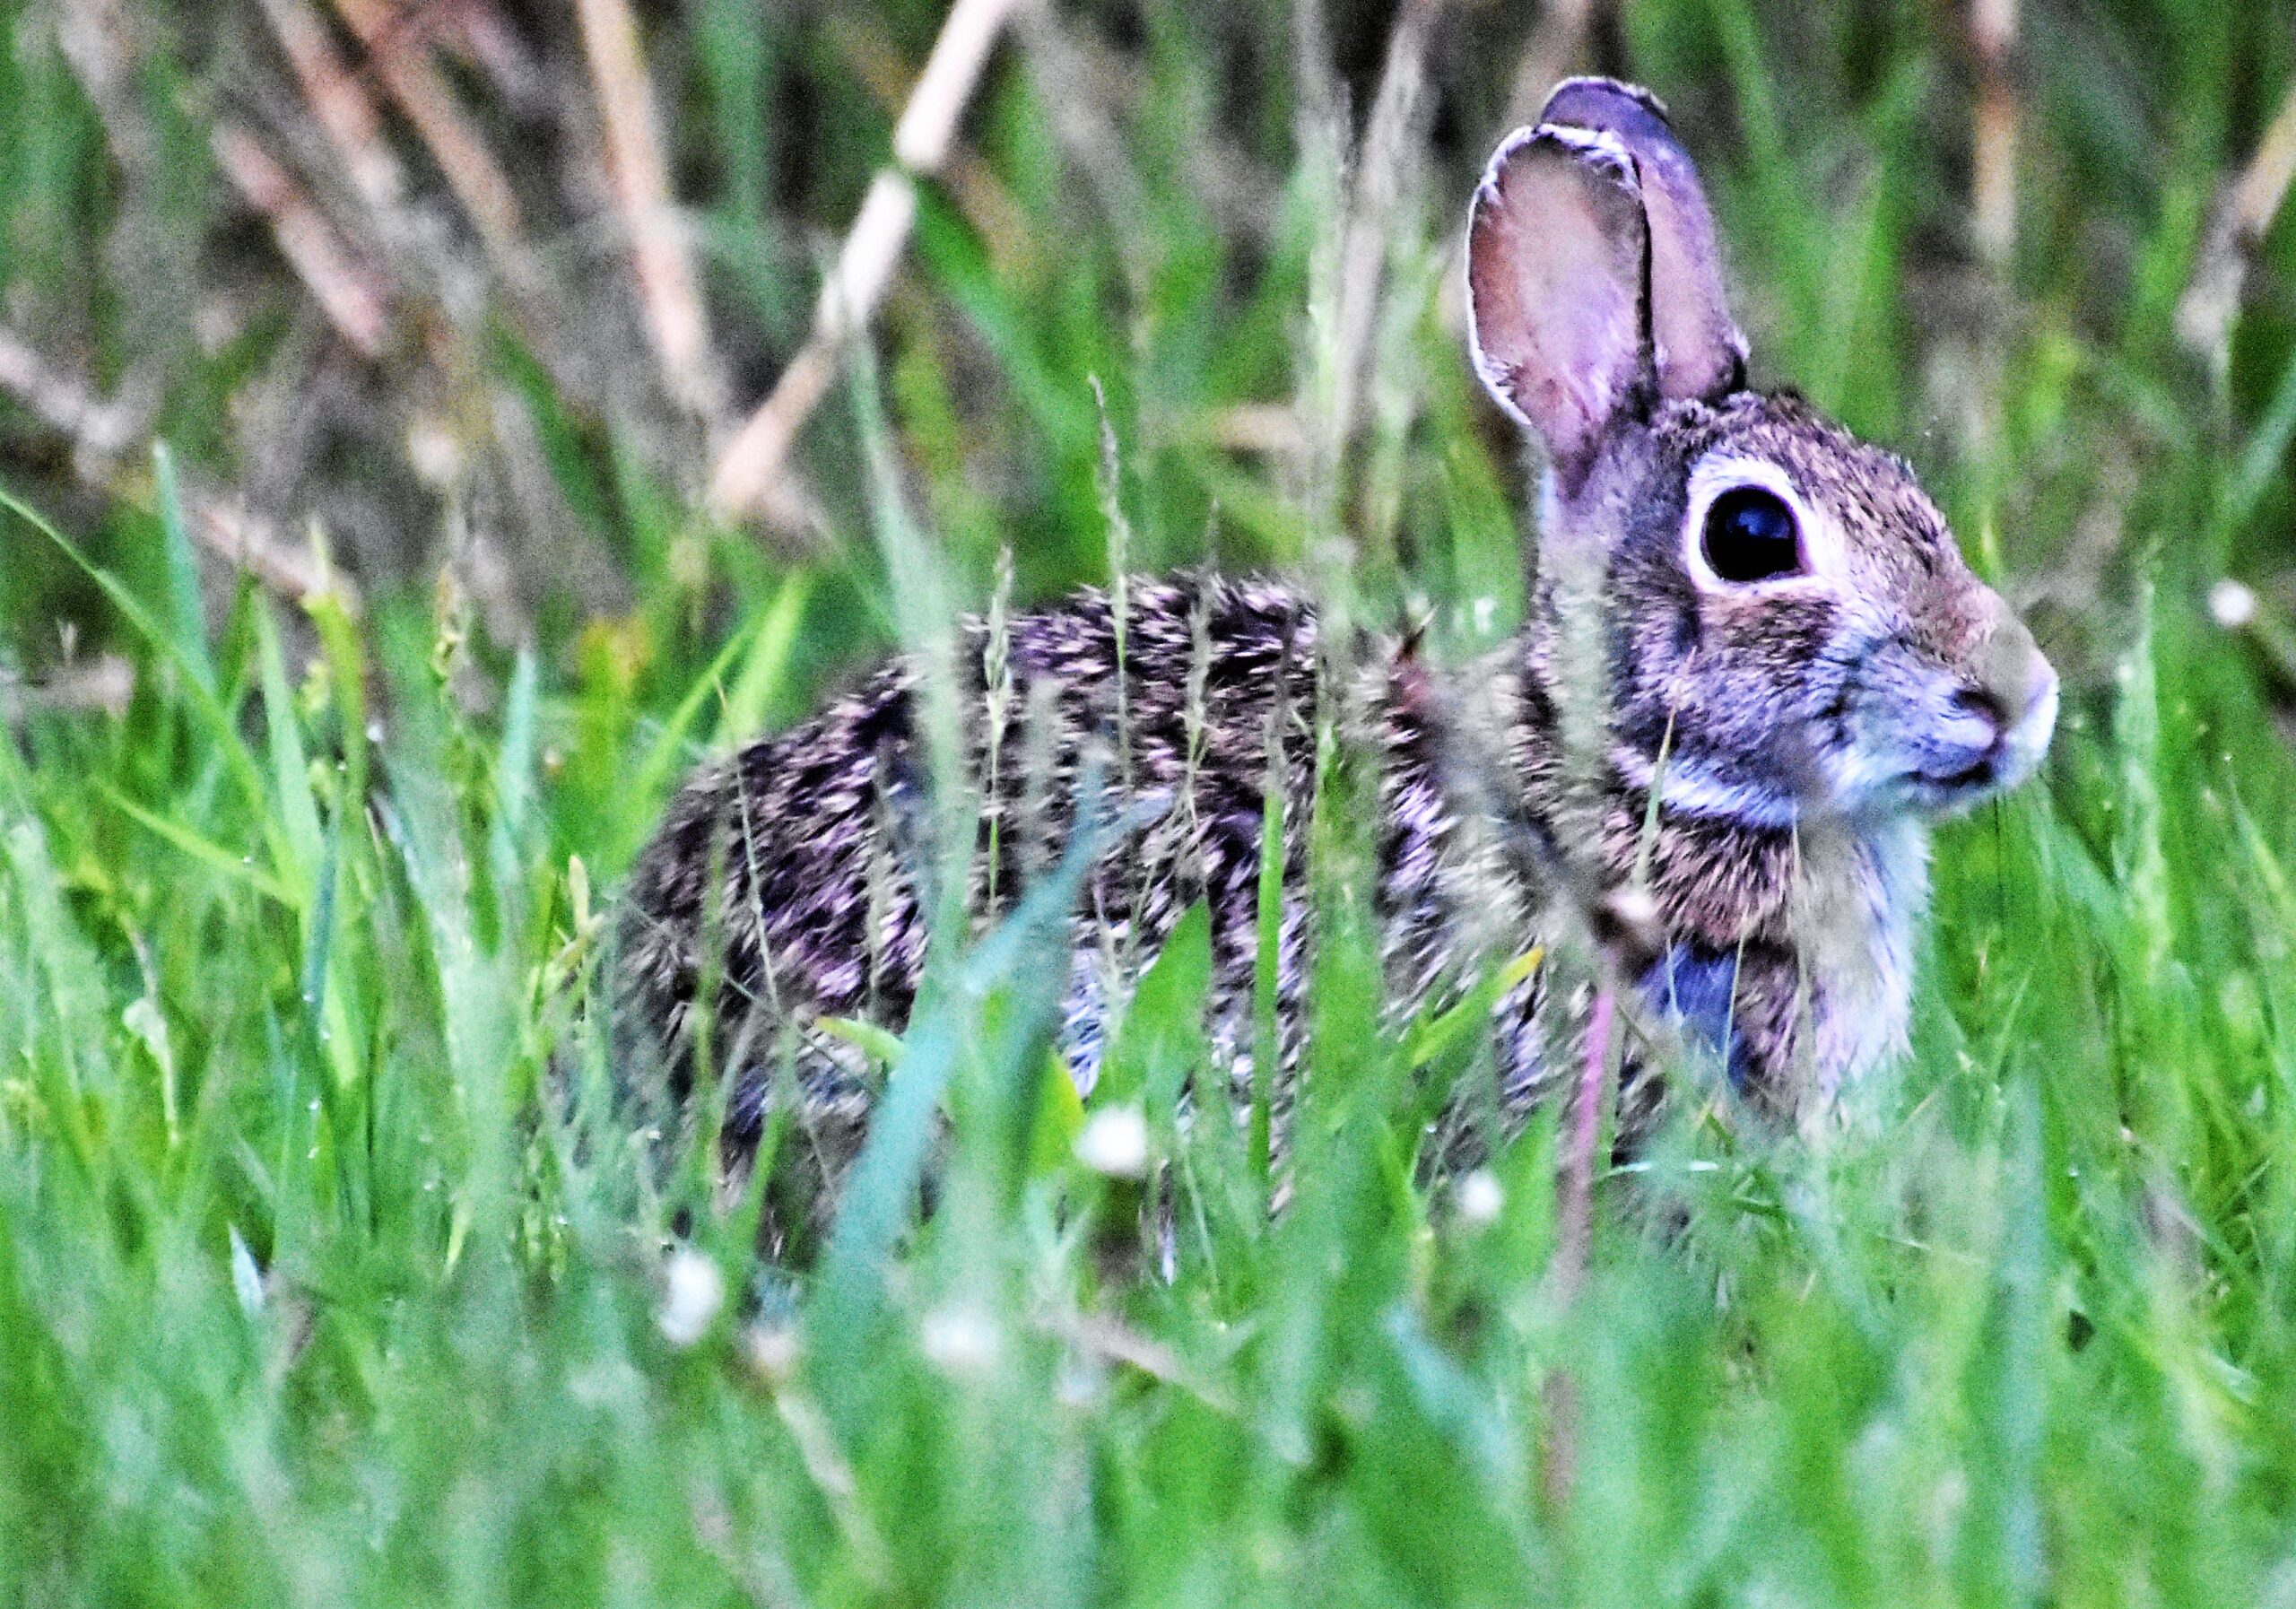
772 1351
1115 1142
1486 610
959 1341
694 1293
2230 605
1480 1199
432 450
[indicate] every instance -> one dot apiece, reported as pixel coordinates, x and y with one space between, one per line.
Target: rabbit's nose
2027 738
2015 691
2010 671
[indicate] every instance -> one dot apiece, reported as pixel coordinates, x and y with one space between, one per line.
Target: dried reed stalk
339 102
413 80
97 428
1992 34
1387 150
978 194
2249 204
106 682
752 460
1549 54
346 289
667 285
1087 85
246 542
1574 1238
100 431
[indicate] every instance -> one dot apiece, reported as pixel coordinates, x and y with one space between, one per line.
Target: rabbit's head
1782 609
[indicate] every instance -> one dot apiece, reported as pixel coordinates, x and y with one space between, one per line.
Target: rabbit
1737 605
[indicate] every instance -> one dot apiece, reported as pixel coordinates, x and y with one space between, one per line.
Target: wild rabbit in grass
1738 604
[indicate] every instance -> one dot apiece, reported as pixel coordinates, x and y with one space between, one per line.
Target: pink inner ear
1700 352
1556 260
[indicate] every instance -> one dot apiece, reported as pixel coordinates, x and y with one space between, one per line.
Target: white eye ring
1713 477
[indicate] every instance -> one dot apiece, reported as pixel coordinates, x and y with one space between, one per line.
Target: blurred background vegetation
442 444
490 288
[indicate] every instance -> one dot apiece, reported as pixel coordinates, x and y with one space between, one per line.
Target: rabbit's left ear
1698 351
1558 270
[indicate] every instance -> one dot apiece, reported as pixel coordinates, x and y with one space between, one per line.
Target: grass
311 1292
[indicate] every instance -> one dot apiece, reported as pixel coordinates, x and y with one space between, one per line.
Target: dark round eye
1750 536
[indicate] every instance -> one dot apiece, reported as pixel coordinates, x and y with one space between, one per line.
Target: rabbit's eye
1750 536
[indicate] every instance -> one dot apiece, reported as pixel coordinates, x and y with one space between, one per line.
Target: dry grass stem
1575 1222
1089 87
1109 1340
406 70
1388 146
99 429
2205 317
667 285
1993 33
98 40
1270 428
1552 52
981 196
246 542
753 459
105 684
351 295
1574 1235
339 101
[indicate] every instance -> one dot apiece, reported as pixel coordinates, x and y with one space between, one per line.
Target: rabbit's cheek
1890 732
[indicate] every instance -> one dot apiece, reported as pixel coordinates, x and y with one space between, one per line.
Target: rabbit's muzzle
2001 721
1936 736
2017 687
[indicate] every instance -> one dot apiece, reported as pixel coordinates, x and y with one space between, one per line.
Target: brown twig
347 292
667 285
752 460
1993 33
413 81
2249 205
100 431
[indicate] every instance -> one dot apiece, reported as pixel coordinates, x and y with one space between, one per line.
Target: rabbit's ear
1558 261
1698 351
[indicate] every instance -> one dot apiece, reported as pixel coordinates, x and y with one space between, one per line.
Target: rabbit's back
790 873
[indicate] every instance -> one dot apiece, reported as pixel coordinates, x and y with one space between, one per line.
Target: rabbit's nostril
1983 704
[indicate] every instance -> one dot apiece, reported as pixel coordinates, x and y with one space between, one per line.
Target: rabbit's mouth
2008 755
1959 789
